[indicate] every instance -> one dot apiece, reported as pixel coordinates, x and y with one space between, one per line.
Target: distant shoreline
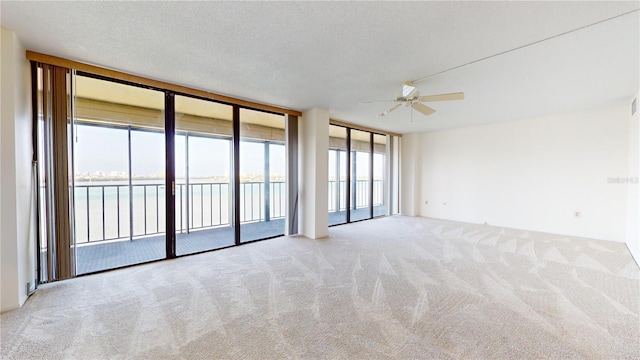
214 179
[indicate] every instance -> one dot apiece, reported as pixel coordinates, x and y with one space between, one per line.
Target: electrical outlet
577 214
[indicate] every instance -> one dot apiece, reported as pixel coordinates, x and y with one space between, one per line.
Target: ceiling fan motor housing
407 101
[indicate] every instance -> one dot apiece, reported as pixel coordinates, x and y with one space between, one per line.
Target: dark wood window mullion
170 183
236 173
348 179
371 148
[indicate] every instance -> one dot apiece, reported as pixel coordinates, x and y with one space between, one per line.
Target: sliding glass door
132 174
358 175
262 175
337 175
119 180
203 192
379 175
360 208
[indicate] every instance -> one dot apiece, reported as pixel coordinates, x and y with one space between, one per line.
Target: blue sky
105 149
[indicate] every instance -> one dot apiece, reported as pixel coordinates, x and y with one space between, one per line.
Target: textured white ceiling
334 55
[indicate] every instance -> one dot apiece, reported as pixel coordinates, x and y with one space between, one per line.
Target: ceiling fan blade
424 109
408 90
390 110
443 97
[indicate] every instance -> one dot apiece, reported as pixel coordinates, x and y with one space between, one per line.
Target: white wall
314 172
529 174
15 160
410 164
633 202
393 170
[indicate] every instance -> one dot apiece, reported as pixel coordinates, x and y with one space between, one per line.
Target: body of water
103 208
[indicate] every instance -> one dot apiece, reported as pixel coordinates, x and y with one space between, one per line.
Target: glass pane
203 182
379 174
262 175
337 175
119 181
360 177
277 204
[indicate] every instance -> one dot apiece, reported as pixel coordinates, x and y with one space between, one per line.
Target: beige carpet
395 287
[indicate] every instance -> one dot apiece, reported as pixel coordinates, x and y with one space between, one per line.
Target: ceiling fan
411 97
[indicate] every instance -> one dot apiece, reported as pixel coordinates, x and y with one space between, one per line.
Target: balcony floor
340 217
108 255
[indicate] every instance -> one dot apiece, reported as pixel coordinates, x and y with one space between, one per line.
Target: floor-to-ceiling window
359 208
262 175
203 158
118 172
379 175
134 170
358 174
337 175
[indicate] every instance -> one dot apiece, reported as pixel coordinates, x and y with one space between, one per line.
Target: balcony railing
361 194
111 212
